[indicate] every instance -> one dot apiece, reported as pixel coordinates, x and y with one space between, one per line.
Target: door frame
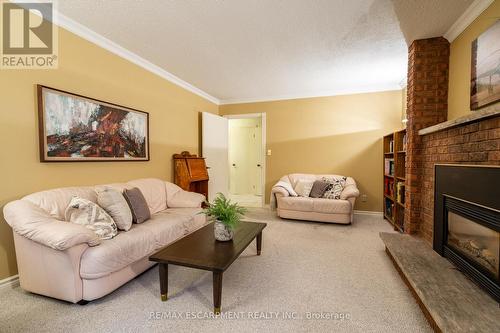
262 116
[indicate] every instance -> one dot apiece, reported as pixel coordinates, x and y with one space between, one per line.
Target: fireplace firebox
467 221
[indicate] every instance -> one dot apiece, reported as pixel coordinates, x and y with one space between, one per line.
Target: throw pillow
116 206
335 187
303 187
318 189
89 214
137 204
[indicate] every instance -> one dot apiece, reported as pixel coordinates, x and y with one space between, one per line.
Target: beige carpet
311 277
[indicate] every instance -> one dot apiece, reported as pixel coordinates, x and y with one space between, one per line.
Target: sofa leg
82 302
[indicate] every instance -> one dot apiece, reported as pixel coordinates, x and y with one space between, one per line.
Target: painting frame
485 62
42 129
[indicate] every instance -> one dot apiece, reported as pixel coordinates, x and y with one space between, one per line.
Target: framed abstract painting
485 69
75 128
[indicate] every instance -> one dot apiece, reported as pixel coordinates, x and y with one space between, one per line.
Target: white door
245 150
214 135
257 168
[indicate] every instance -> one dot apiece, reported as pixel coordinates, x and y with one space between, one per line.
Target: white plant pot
221 232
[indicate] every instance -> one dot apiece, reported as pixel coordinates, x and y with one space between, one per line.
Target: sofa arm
279 191
350 191
45 271
32 222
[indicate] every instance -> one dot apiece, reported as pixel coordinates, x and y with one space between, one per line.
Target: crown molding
92 36
470 14
78 29
328 93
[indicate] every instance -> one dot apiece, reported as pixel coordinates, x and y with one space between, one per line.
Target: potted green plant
227 216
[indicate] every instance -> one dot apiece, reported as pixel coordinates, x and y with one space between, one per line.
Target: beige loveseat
314 209
55 258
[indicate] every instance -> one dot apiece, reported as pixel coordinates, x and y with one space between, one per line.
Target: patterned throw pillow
335 187
90 215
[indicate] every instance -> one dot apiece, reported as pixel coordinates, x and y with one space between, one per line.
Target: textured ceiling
239 50
421 19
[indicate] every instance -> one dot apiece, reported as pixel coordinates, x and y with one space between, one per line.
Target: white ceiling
248 50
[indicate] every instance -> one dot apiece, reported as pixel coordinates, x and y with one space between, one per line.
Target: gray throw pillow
138 205
318 189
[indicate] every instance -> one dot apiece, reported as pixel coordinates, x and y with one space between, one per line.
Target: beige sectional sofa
314 209
61 259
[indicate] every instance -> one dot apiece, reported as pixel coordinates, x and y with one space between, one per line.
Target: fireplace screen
475 241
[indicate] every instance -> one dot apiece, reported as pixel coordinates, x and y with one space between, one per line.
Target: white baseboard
368 212
10 282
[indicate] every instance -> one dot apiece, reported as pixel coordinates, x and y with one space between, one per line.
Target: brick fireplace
441 170
477 143
473 140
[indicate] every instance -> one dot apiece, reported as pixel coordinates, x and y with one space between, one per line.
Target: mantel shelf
488 112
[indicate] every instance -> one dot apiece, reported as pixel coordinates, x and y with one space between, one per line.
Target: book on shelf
404 142
389 187
400 192
389 208
391 146
389 166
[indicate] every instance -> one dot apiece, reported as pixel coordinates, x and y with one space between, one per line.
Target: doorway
246 142
234 150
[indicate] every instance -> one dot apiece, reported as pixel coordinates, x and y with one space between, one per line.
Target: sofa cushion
91 216
57 200
295 177
304 187
117 253
329 206
128 247
113 202
138 205
296 203
154 191
335 187
196 218
318 189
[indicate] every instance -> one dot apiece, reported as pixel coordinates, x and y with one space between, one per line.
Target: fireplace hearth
467 221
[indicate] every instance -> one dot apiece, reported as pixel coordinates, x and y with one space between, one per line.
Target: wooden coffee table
200 250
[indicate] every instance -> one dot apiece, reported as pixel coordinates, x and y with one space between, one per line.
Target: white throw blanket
287 187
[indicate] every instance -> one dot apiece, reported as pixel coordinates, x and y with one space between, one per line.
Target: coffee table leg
217 288
163 281
259 243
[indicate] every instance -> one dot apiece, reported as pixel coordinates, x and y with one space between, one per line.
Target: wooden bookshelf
394 172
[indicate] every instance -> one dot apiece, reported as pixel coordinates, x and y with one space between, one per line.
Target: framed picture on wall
75 128
485 69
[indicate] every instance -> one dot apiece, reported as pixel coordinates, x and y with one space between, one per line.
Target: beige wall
460 62
339 134
87 69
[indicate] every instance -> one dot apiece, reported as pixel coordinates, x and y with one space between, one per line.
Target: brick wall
427 104
475 143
